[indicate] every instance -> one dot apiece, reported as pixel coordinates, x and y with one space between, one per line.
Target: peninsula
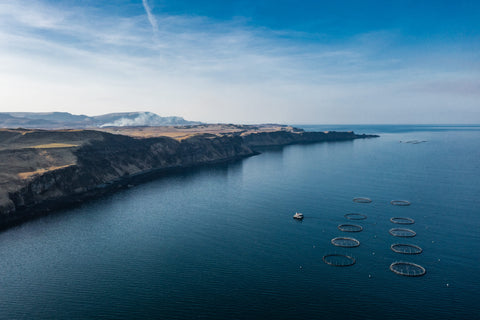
43 170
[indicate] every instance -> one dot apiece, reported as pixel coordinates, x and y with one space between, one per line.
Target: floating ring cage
355 216
400 202
402 232
339 260
408 269
350 227
402 220
406 248
345 242
362 200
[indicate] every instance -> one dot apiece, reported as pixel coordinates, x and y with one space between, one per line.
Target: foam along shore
43 170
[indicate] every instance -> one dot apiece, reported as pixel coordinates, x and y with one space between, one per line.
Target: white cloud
84 62
151 17
31 14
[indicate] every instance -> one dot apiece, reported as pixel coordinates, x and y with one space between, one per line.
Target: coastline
87 164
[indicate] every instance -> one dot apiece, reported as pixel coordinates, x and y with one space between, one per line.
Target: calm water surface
220 242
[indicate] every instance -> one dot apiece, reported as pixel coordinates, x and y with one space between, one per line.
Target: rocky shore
42 171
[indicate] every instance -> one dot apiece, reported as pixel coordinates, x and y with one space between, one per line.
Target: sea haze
219 242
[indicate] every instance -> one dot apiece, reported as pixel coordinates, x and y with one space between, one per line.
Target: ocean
219 242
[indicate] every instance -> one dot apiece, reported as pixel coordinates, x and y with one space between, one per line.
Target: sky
250 61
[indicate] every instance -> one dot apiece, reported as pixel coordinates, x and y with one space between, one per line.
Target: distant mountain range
63 120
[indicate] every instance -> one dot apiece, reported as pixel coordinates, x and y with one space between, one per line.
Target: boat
298 216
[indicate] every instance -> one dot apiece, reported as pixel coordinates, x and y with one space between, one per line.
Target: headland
44 170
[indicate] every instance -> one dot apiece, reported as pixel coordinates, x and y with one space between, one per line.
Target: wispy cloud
151 17
88 61
33 15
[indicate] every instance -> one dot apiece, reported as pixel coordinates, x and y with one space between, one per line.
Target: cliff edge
43 170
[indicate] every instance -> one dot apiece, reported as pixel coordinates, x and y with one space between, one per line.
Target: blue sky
245 61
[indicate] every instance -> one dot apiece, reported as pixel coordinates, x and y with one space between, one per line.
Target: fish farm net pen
400 202
349 227
362 200
402 232
406 248
345 242
408 269
402 220
339 260
355 216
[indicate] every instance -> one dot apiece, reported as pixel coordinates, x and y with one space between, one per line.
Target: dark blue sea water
220 242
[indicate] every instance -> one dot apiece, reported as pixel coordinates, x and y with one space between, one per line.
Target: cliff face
50 173
280 138
103 164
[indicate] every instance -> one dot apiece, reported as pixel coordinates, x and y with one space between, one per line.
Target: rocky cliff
281 137
41 171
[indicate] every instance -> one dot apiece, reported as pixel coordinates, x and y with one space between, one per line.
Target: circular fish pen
362 200
400 202
402 232
338 260
350 227
408 269
406 248
402 220
345 242
355 216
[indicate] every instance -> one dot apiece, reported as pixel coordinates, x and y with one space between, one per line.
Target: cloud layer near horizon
86 60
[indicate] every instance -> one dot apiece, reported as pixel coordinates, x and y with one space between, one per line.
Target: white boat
298 216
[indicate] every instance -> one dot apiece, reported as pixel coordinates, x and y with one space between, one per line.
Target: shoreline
69 167
54 206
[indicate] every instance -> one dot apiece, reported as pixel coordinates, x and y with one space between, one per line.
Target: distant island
44 170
